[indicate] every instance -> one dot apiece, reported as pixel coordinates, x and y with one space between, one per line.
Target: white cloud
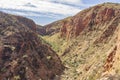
44 6
68 1
31 14
71 1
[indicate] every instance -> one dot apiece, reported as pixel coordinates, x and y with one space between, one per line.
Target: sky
46 11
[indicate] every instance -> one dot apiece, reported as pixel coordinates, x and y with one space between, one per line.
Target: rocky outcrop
110 59
27 22
53 28
40 30
94 16
23 55
111 66
109 31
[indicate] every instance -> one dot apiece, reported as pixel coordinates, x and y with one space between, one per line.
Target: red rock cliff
86 19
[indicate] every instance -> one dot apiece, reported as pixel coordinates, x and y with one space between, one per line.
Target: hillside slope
88 43
23 55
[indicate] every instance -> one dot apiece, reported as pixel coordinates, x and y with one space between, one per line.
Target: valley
80 47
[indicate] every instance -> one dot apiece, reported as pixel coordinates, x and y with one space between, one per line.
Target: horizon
43 12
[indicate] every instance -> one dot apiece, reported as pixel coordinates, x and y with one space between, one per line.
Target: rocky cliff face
89 43
23 55
94 16
111 66
53 28
27 22
40 30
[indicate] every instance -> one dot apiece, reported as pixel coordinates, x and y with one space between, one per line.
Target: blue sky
46 11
